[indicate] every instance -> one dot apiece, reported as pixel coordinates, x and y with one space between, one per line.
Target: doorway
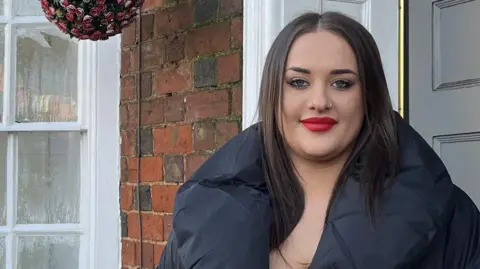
442 83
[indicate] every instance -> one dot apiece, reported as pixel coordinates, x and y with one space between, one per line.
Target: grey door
444 84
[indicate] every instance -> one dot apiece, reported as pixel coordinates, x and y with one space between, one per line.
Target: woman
331 176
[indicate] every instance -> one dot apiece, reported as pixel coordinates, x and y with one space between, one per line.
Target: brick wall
190 105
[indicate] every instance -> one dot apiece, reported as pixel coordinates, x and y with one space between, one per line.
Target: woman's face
322 102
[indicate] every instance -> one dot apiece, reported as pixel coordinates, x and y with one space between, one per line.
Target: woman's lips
319 124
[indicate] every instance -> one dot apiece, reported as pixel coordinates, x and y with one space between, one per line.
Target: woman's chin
317 154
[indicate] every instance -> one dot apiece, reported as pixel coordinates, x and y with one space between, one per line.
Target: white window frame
99 73
105 237
262 22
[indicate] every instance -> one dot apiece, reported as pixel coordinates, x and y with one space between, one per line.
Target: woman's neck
318 176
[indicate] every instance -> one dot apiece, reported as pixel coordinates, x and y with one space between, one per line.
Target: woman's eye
298 83
342 84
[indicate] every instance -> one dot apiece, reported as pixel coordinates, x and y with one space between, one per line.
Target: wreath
91 19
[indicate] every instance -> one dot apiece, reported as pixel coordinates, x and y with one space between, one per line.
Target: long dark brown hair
375 155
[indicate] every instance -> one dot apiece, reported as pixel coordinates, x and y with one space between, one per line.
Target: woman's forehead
321 50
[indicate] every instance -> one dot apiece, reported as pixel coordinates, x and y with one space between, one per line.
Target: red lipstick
319 124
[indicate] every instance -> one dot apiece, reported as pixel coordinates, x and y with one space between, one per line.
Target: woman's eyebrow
333 72
342 71
300 70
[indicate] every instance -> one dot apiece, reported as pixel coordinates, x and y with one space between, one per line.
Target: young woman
330 177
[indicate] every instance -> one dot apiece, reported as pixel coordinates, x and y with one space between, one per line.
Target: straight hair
373 161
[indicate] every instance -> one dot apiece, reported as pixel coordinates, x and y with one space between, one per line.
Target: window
58 162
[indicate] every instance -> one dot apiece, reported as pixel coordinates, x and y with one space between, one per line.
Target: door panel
355 9
444 84
380 17
460 152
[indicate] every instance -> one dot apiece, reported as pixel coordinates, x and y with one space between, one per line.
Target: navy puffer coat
222 216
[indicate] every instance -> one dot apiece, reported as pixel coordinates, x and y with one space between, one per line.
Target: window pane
3 259
48 177
3 180
1 12
46 80
48 252
27 8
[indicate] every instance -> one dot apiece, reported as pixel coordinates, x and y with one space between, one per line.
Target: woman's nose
319 100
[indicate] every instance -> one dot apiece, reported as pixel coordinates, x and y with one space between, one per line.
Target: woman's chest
299 248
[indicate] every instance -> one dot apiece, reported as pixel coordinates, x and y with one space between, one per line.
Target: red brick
229 7
129 35
170 38
146 87
194 162
148 22
176 79
148 255
224 132
174 19
203 136
152 4
203 105
123 116
123 163
152 112
128 90
124 170
237 100
128 142
129 252
153 54
175 108
146 141
229 68
134 59
151 169
208 39
167 226
126 197
129 60
132 115
237 33
175 47
128 116
125 62
164 197
152 226
172 139
173 167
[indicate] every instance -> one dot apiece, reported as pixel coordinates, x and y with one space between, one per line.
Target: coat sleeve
170 258
463 239
216 228
476 264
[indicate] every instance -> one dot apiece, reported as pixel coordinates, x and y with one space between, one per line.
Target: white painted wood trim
261 23
105 224
99 94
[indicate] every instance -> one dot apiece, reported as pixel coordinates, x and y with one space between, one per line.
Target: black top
222 216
